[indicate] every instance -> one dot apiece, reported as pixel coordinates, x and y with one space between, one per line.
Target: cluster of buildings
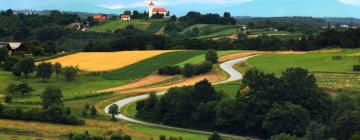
152 11
344 26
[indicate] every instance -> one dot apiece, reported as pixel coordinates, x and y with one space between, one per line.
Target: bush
211 56
284 137
356 68
12 88
203 68
10 62
188 70
169 70
70 73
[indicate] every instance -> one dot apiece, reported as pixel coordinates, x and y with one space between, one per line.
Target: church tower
151 8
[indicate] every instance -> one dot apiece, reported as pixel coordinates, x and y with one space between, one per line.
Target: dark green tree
3 54
70 73
51 96
113 110
188 70
24 89
44 70
16 70
27 65
347 125
8 99
211 56
57 69
10 62
93 111
289 118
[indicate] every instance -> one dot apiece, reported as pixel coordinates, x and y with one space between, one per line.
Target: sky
258 8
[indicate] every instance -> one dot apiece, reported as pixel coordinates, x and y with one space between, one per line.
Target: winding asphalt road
226 66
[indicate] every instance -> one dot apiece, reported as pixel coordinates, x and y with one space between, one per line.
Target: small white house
125 17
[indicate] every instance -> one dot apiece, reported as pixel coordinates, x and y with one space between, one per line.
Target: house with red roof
125 17
100 17
153 10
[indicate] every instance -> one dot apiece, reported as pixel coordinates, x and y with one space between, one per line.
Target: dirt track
139 83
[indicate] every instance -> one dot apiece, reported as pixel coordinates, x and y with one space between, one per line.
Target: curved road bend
226 66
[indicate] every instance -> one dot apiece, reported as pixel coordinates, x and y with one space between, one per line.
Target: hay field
105 61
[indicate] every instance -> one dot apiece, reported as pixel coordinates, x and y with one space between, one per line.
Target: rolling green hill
152 26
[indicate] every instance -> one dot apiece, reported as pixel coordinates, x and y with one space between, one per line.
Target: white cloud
143 3
351 2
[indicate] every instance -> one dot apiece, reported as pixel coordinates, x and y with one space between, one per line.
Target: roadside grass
129 110
156 132
201 58
119 24
230 89
151 65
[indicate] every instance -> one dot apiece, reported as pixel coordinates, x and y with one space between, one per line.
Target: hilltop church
153 10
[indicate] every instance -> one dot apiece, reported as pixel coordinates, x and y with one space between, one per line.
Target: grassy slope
151 26
321 62
318 63
85 84
149 66
116 24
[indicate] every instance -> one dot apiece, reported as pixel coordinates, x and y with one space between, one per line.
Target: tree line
291 105
52 110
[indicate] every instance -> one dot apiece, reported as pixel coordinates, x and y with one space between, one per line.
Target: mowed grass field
332 74
105 61
314 62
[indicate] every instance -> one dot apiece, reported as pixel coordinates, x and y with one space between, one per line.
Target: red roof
100 17
160 10
125 16
151 4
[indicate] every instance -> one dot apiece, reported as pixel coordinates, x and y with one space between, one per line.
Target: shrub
70 73
12 88
203 68
188 70
284 137
10 62
8 99
44 70
356 68
211 56
169 70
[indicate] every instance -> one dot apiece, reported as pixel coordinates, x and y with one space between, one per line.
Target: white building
153 10
344 26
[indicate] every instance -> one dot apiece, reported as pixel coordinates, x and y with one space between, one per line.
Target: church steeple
151 8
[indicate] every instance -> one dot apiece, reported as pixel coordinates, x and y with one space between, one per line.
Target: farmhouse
12 46
125 17
100 17
153 10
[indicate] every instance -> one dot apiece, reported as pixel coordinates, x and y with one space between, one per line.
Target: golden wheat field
105 61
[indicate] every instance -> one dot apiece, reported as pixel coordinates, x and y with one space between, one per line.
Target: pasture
105 61
314 61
